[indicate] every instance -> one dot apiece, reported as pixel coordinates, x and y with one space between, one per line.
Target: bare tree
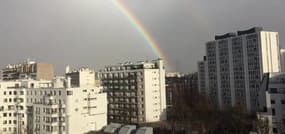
262 126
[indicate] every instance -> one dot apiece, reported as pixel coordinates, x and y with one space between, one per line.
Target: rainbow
134 21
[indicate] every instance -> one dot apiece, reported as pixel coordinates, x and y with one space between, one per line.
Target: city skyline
96 33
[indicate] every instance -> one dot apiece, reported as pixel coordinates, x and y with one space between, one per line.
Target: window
282 101
273 111
275 130
69 93
273 90
272 101
32 85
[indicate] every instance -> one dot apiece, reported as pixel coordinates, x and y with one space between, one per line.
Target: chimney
67 69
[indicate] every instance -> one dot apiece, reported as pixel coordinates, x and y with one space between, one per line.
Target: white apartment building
136 92
272 101
234 64
51 107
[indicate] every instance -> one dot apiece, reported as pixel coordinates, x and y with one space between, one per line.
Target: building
282 59
82 77
172 81
49 107
28 69
203 77
272 101
136 92
234 64
180 86
179 83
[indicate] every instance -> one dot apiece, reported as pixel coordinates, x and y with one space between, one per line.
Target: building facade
49 107
82 77
272 101
203 77
136 92
28 69
180 86
234 64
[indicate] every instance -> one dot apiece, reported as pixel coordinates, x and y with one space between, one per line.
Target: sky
94 33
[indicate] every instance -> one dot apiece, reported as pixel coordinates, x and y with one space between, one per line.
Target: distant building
203 77
234 64
46 107
136 92
172 81
178 83
28 70
272 101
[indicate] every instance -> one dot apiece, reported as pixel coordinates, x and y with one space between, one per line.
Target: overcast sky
94 33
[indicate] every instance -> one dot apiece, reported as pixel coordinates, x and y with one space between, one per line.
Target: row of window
50 110
273 102
122 74
11 122
12 115
133 119
19 100
32 93
48 128
13 93
10 129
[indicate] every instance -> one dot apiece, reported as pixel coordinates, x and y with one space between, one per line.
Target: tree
262 126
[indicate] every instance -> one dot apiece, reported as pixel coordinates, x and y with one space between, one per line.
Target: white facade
282 59
272 101
81 77
48 107
234 65
136 92
12 108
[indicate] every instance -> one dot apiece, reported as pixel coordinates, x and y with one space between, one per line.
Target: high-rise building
272 101
28 70
234 65
47 107
136 92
